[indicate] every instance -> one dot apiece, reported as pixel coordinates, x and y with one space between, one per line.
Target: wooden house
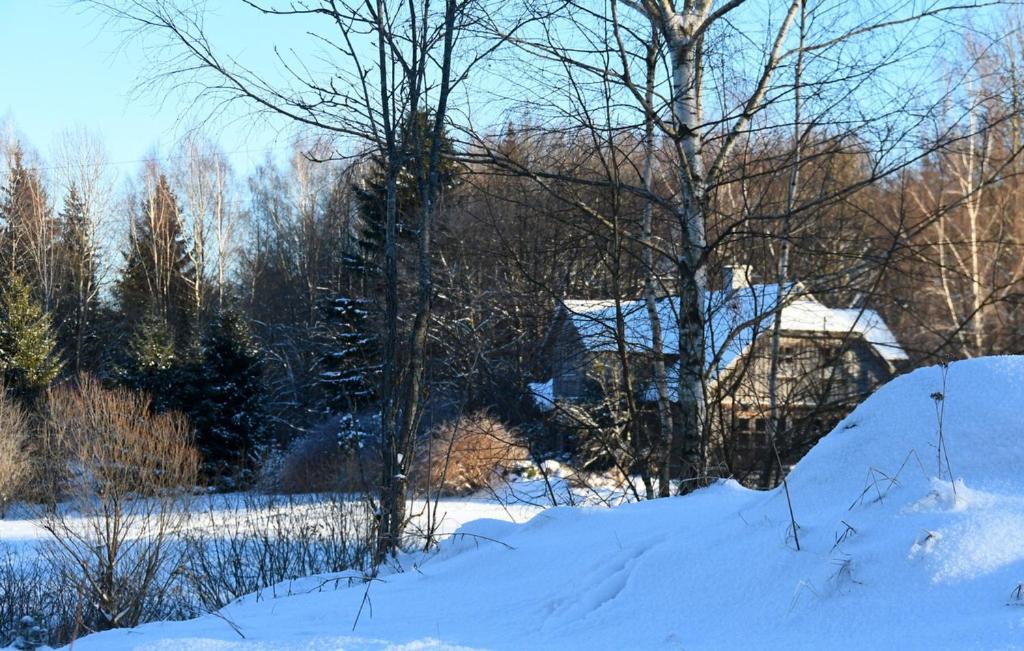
829 360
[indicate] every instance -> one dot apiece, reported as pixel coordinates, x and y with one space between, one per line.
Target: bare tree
379 97
715 114
127 479
203 177
83 168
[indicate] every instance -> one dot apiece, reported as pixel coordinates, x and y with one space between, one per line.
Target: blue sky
64 67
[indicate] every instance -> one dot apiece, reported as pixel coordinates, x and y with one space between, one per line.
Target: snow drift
893 554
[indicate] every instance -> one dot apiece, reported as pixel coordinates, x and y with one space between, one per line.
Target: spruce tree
29 230
152 363
371 193
227 394
158 273
28 348
350 355
77 300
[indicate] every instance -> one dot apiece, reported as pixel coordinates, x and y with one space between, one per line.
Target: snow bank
893 554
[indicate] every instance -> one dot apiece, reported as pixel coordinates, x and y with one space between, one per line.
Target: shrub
127 478
467 454
263 541
15 467
333 459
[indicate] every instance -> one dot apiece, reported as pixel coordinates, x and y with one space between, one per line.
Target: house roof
736 318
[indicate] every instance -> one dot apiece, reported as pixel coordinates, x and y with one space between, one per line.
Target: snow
736 318
894 554
543 394
810 315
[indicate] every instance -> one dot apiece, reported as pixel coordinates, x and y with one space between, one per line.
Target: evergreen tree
29 230
371 191
350 358
158 272
28 348
226 405
77 301
152 363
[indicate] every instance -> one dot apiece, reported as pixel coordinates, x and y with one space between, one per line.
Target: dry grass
466 455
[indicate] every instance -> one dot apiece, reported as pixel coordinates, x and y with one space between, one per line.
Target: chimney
736 276
665 285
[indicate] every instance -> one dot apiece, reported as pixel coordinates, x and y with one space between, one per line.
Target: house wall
570 363
821 378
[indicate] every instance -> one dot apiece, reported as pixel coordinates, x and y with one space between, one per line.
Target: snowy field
893 554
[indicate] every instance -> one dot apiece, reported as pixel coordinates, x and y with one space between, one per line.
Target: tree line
404 265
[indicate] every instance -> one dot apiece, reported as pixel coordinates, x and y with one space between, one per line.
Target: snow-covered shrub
467 454
15 466
31 635
29 590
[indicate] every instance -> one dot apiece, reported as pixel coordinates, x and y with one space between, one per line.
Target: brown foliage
320 463
126 476
15 467
468 454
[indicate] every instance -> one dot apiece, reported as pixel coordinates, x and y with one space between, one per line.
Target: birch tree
395 64
725 88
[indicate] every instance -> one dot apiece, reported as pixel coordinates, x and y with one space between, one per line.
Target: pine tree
350 358
158 274
28 348
226 407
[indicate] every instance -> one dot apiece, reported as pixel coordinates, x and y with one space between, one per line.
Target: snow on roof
736 318
810 315
543 394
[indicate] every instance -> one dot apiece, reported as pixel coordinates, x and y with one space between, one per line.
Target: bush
466 455
266 540
29 589
15 467
127 477
334 459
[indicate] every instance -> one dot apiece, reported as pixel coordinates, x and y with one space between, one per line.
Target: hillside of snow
893 555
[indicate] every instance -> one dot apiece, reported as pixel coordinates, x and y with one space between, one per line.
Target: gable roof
736 318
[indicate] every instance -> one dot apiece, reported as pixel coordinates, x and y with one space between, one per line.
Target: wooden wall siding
813 369
570 364
821 378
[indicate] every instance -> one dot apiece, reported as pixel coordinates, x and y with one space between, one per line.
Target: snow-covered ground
893 555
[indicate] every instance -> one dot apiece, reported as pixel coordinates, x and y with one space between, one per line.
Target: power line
162 159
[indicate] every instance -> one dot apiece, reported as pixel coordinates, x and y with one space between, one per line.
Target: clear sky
62 66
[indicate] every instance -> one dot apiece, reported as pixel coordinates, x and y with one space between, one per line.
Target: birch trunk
663 451
692 276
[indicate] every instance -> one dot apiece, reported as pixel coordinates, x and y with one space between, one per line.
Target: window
760 424
787 355
742 424
788 358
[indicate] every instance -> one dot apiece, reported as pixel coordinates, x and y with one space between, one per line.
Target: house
829 360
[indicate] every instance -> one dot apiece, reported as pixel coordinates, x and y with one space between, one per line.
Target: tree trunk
692 276
663 450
